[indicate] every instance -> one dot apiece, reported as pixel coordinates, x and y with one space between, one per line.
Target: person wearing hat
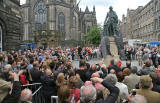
145 86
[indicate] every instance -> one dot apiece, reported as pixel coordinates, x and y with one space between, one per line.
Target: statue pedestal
113 51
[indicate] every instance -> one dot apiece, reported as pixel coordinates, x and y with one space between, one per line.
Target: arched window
74 21
1 38
61 22
40 12
88 29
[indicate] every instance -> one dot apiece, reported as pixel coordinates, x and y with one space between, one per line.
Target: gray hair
88 94
116 62
134 69
139 99
112 78
26 94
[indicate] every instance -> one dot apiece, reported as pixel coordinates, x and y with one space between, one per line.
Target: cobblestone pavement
76 63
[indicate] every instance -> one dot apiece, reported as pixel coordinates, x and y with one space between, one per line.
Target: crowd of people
96 83
142 53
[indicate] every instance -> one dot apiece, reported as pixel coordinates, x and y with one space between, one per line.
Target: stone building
156 7
126 24
140 23
10 18
123 26
129 22
56 22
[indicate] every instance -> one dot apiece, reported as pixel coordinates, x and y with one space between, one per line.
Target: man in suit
145 86
35 72
132 79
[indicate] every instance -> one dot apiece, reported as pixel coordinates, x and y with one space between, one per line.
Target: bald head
112 71
139 99
116 62
88 94
26 95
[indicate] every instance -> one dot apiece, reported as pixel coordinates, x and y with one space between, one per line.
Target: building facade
140 23
10 18
123 26
156 11
56 22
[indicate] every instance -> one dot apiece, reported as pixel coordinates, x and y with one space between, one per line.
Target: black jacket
146 71
49 86
82 74
114 92
15 95
116 68
35 74
89 73
156 87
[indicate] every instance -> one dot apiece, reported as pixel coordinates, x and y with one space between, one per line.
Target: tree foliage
94 36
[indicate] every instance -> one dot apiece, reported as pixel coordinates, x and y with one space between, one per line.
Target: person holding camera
88 93
15 88
136 98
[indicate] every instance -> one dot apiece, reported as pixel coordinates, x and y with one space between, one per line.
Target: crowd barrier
54 98
37 95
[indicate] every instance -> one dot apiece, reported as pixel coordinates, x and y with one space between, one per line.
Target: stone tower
48 22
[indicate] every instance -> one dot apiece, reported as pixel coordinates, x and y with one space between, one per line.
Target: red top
76 93
23 79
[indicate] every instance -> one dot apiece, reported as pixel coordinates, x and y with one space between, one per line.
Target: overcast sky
102 6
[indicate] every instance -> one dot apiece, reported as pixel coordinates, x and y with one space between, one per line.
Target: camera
97 67
133 92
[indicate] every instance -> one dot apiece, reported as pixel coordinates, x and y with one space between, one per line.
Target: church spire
94 9
87 10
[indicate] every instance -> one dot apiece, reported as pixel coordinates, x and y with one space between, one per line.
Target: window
156 6
1 1
159 21
156 24
0 38
88 29
61 22
40 16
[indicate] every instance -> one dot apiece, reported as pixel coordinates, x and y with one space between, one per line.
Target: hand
6 58
97 80
14 76
130 98
20 72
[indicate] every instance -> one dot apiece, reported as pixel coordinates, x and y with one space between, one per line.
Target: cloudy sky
102 6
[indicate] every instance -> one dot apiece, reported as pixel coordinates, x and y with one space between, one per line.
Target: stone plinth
113 50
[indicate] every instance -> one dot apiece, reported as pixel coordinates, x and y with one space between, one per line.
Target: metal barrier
54 97
36 88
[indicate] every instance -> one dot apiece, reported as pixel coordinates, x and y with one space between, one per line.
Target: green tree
94 36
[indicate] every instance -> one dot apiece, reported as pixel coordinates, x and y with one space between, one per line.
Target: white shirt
123 89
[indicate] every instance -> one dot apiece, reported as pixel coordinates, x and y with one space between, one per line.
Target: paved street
76 63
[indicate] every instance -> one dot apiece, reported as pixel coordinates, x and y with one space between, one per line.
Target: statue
111 30
110 23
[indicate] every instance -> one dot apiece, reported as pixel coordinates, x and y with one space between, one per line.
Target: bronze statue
110 23
110 29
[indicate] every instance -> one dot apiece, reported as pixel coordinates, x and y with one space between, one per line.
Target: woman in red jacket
74 91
